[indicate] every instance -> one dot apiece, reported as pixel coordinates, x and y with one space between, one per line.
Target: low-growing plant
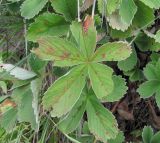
78 58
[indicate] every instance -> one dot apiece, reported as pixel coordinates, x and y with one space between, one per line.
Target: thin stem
79 19
93 8
25 32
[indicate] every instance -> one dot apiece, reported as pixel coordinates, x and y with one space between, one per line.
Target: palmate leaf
85 36
47 25
71 121
127 11
65 92
115 51
101 122
66 7
30 8
152 3
101 79
63 52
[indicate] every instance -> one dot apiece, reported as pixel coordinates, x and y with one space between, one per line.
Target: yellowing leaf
115 51
116 22
65 92
101 79
62 51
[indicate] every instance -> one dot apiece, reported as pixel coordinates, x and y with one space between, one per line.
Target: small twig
25 32
115 106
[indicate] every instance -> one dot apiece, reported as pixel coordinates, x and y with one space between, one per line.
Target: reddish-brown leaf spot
65 56
87 23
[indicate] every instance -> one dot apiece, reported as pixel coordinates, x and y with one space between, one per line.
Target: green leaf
24 98
120 34
148 88
65 92
47 25
152 3
119 138
136 75
18 72
144 16
150 72
30 8
127 11
72 120
115 51
119 90
101 79
62 51
8 119
36 64
112 5
129 63
150 44
66 7
86 40
147 134
101 121
154 57
155 138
